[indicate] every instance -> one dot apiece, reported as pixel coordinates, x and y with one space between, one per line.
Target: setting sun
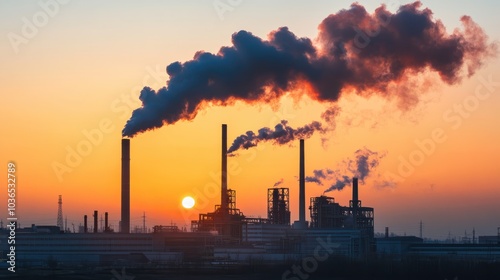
188 202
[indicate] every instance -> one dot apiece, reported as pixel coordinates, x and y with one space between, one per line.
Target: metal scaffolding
225 221
278 206
326 213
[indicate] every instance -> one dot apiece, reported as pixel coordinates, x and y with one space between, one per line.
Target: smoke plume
278 183
282 134
319 175
330 115
355 52
361 166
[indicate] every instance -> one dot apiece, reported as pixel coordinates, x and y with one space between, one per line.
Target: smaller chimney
85 227
355 201
355 191
386 232
95 221
106 228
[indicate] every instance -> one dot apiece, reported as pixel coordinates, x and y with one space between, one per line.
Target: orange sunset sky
81 72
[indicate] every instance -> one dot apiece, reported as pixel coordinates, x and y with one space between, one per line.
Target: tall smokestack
95 222
106 222
355 201
85 227
302 185
223 196
125 218
355 191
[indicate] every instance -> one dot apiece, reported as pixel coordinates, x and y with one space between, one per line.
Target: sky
72 73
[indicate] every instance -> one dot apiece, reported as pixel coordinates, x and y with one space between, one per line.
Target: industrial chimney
355 191
95 222
302 185
223 196
106 227
355 201
301 223
85 227
125 217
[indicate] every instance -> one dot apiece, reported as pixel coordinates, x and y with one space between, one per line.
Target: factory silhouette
226 241
338 240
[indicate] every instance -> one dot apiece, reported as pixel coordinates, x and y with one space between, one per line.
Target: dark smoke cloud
361 166
330 115
364 162
356 52
340 183
282 134
319 175
330 118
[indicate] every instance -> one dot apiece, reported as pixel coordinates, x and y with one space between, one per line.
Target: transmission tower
60 214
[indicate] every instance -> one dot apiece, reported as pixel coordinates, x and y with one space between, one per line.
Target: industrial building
404 247
226 237
278 206
36 246
351 227
224 234
326 213
226 241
